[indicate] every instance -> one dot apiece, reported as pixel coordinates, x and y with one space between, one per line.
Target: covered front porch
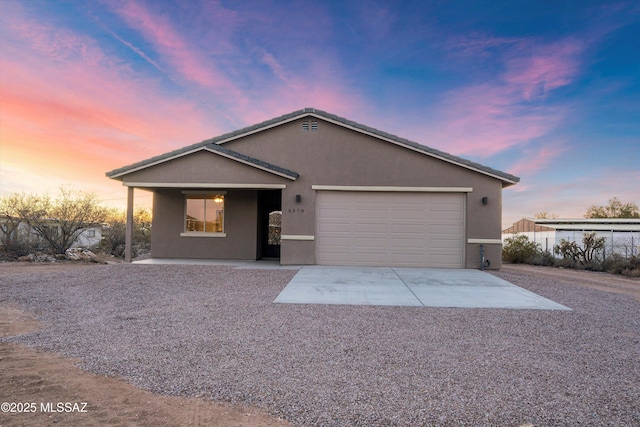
211 221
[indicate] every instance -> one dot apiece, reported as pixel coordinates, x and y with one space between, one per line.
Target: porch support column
128 236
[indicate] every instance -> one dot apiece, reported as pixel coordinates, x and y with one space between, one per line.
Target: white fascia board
202 185
393 188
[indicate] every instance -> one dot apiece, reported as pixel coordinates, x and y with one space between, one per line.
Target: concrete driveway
416 287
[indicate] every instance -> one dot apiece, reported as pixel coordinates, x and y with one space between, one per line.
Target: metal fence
625 244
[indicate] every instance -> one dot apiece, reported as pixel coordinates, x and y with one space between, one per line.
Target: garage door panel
392 229
400 244
446 215
372 242
372 259
444 230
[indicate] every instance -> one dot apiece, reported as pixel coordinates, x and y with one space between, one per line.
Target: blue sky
546 90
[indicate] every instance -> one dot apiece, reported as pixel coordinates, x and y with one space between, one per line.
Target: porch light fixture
218 199
485 200
298 198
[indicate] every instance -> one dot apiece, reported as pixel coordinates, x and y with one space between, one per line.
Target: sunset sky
546 90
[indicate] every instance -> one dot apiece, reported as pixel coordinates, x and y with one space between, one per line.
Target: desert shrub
113 236
632 269
542 258
615 264
586 255
565 263
518 249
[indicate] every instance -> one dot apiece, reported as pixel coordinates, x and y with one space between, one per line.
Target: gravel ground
213 331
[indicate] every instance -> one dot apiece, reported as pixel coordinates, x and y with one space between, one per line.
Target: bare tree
615 209
58 222
14 234
545 215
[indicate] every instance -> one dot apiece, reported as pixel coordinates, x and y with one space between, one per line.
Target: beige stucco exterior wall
333 155
240 224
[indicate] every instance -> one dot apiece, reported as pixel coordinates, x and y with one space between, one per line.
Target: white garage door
390 229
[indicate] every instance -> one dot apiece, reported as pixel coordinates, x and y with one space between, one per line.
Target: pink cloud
547 68
491 117
487 119
183 56
70 112
537 158
244 93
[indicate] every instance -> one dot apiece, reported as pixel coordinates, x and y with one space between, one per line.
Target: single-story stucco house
310 187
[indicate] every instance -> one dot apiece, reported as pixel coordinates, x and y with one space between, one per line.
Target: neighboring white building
89 236
622 234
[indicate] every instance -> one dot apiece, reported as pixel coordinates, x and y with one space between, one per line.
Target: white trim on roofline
203 185
392 188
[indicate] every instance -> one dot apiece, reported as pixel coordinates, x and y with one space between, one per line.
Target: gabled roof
212 148
507 179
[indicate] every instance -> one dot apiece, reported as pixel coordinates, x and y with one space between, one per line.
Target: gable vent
305 126
314 126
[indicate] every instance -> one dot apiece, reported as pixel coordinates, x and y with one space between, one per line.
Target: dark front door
269 223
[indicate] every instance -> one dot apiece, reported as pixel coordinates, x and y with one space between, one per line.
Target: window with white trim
204 213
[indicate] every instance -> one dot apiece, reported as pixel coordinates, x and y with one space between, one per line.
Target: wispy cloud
537 157
66 102
546 68
248 80
173 48
513 108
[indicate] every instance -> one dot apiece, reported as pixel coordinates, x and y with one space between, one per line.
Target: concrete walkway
416 287
236 264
